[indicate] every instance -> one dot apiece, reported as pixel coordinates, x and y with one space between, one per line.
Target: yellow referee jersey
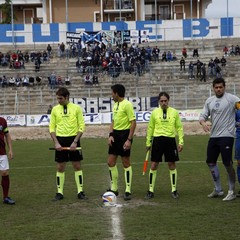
123 114
66 121
168 125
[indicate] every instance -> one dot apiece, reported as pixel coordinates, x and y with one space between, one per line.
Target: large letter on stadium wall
6 33
45 32
195 28
226 27
152 27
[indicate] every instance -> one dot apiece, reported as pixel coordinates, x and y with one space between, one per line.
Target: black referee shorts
66 156
223 145
120 137
164 146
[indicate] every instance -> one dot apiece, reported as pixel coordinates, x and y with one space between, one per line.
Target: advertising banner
15 120
34 120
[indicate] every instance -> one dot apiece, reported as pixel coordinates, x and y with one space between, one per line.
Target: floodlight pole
12 24
156 18
120 9
67 15
191 17
227 20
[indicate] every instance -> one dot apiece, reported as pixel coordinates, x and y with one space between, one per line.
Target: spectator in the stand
164 56
232 51
155 54
25 81
237 50
105 64
184 52
59 81
62 49
1 56
182 64
53 80
218 71
20 56
67 80
191 69
33 56
26 57
149 53
169 56
79 48
199 68
49 50
203 76
18 81
73 49
223 61
195 52
14 56
216 60
4 61
67 51
58 50
88 79
38 80
95 80
78 65
225 50
174 56
8 56
45 56
12 81
138 68
211 68
37 64
11 64
4 81
17 64
49 109
31 81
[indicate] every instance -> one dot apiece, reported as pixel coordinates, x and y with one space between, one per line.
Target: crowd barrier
90 118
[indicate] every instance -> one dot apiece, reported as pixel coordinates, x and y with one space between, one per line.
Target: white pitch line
102 164
116 223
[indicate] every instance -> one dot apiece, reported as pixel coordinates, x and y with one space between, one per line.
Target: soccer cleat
115 192
82 196
9 201
127 196
149 195
58 197
238 194
230 196
175 195
216 194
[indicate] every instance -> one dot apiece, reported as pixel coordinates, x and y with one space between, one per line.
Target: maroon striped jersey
3 131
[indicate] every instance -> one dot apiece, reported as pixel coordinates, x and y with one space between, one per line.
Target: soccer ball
109 199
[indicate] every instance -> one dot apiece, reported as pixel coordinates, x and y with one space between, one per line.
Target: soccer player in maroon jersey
4 163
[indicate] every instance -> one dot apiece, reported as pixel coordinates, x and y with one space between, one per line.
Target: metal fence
182 97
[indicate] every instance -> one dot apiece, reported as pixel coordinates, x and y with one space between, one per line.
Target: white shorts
4 165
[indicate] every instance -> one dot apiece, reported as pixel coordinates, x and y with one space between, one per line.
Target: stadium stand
186 93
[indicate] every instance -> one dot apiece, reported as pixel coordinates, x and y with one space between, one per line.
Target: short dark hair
119 89
163 94
218 80
63 92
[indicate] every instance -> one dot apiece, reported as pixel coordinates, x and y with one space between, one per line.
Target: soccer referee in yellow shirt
120 139
66 128
162 128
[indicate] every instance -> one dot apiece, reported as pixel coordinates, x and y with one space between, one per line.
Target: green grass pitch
193 216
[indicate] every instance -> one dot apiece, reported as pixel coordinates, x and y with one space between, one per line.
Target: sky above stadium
218 8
